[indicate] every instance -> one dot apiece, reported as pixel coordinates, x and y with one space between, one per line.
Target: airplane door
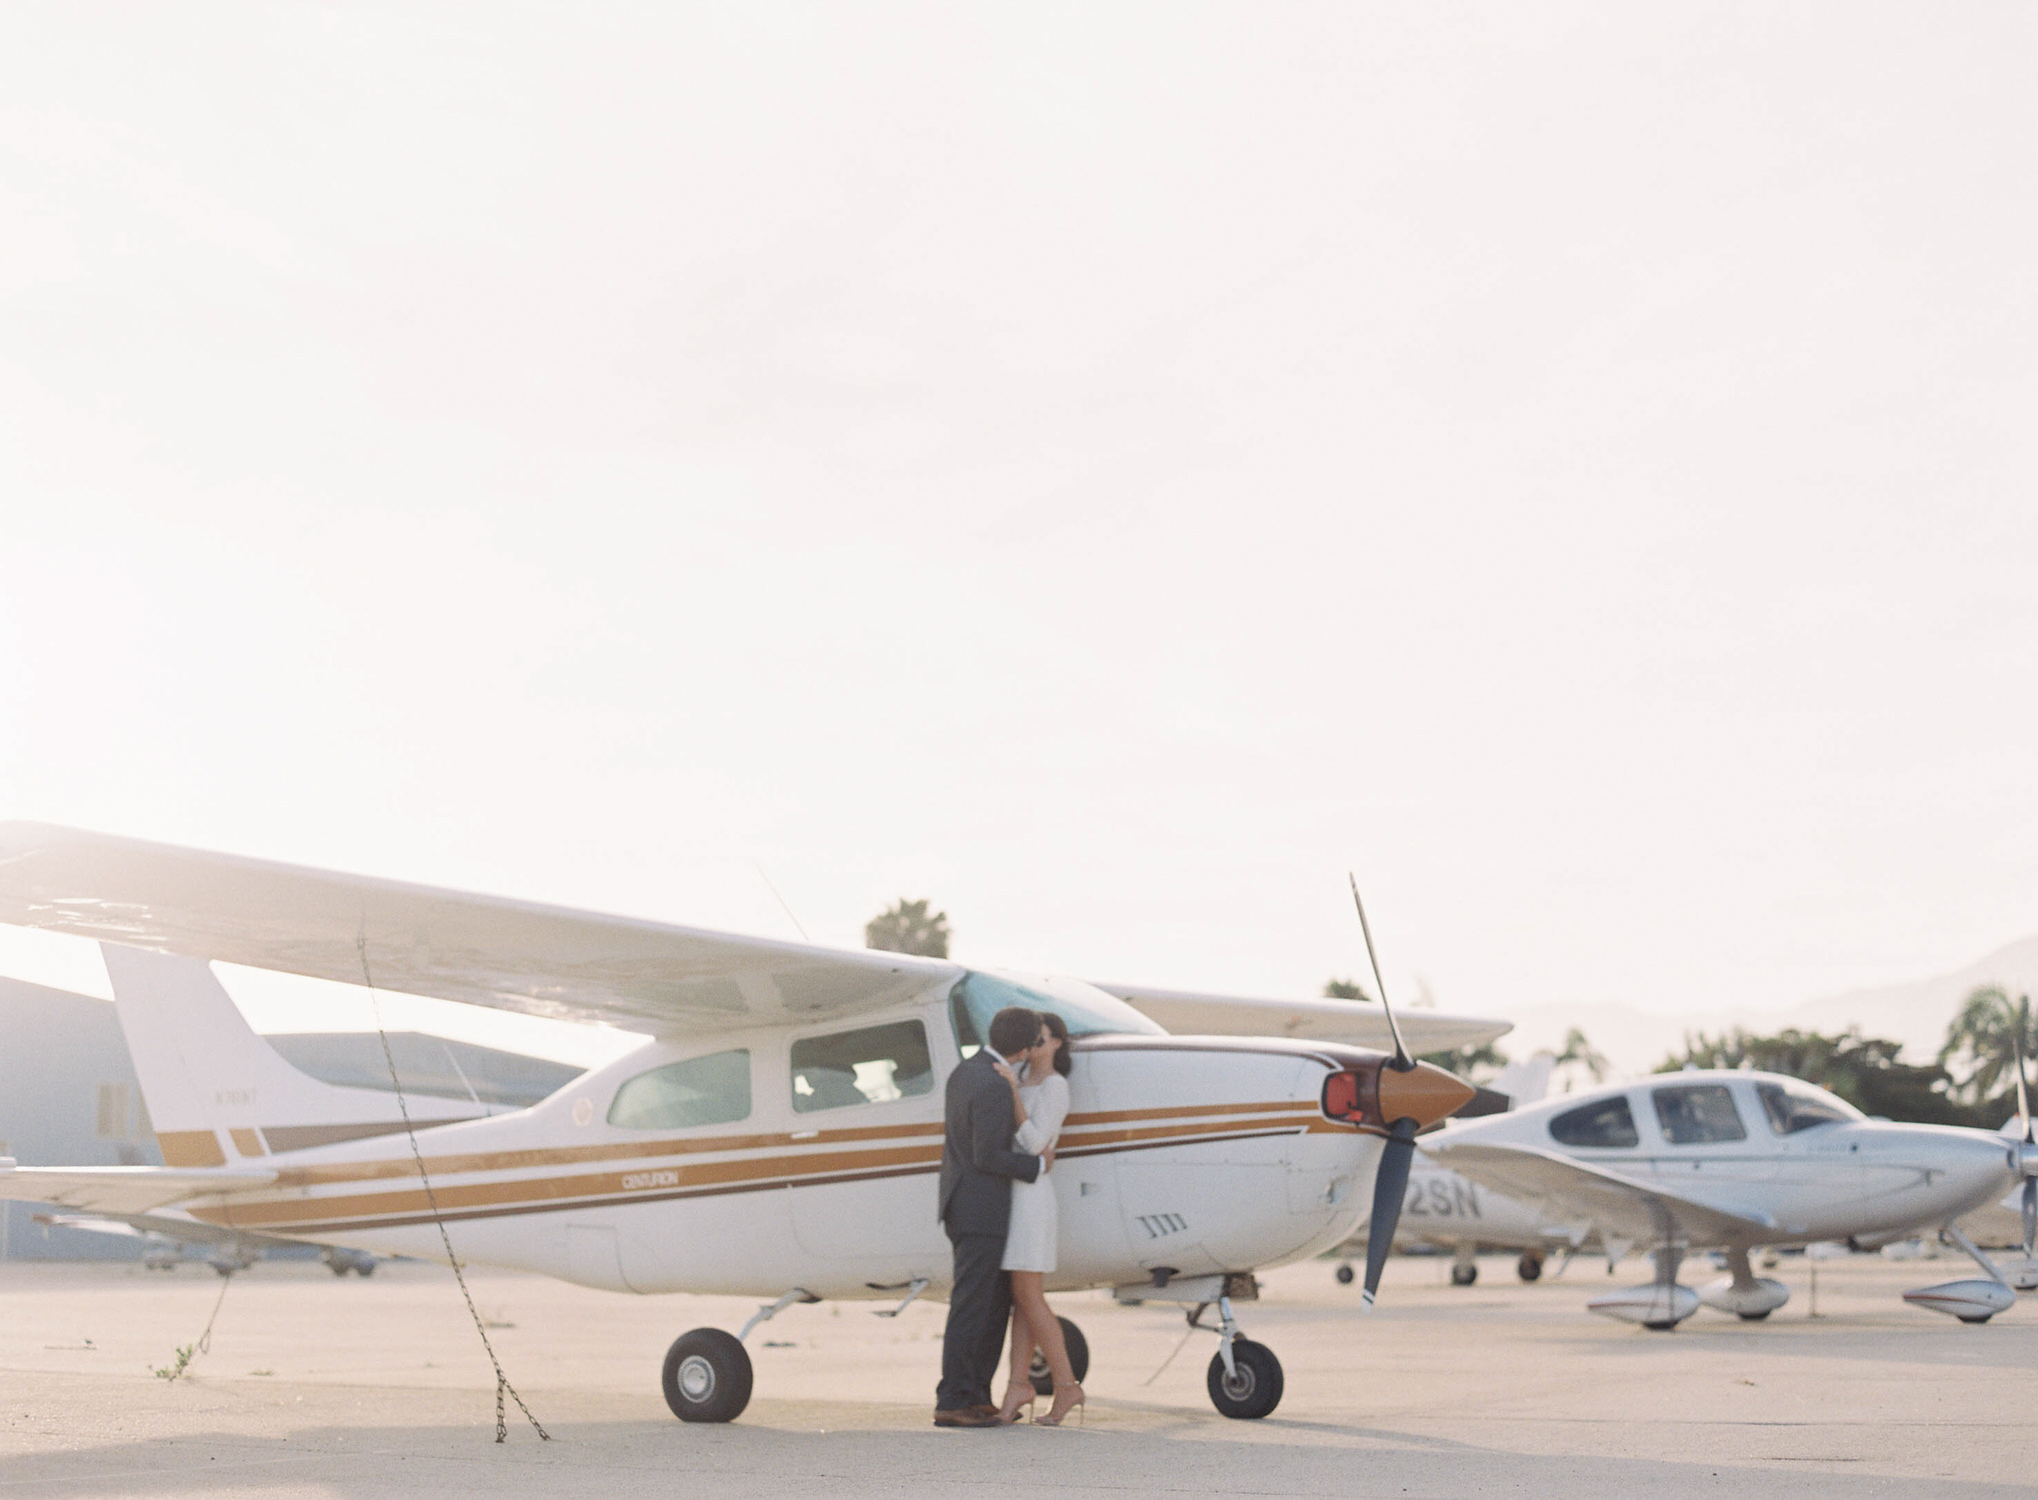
866 1148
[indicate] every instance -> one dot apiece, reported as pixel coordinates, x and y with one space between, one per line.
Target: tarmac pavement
315 1386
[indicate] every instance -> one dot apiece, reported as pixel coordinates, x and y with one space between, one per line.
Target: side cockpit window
870 1065
1792 1110
1698 1114
1605 1123
711 1090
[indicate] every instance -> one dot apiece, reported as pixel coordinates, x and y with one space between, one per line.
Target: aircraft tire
1980 1320
1464 1275
1079 1360
366 1268
1257 1389
1346 1275
1529 1267
1756 1317
707 1376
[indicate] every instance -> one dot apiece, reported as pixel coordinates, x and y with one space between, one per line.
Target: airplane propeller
2024 1162
1390 1185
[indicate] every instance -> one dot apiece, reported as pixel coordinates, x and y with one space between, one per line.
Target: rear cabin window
868 1066
711 1090
1605 1123
1792 1110
1699 1114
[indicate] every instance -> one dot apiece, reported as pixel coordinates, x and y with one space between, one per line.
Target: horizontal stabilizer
122 1190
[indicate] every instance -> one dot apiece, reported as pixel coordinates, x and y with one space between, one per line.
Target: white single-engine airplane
780 1136
1733 1160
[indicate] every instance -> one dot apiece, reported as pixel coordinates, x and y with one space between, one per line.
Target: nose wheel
1244 1379
1251 1387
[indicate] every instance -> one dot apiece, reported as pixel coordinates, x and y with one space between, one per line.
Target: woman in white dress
1040 1102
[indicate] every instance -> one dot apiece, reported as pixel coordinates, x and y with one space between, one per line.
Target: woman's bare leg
1046 1328
1019 1380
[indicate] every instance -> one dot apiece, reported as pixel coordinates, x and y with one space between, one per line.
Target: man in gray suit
978 1165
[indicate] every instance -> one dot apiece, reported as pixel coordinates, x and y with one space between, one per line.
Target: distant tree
1465 1061
907 928
1980 1053
1344 989
1578 1052
1863 1070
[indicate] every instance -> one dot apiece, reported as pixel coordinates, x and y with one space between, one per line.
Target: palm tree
1590 1058
1981 1044
907 928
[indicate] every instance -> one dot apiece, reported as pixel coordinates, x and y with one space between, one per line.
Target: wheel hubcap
1239 1386
696 1378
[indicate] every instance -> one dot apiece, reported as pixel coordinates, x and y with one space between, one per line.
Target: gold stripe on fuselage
813 1164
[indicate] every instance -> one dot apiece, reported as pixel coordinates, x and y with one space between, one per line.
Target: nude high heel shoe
1009 1409
1063 1405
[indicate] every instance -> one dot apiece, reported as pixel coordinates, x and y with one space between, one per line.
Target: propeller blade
2023 1099
2030 1215
1390 1187
1403 1061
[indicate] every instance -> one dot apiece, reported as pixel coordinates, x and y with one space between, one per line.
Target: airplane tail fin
217 1093
1526 1081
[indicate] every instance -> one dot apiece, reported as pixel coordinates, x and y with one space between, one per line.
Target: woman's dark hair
1059 1030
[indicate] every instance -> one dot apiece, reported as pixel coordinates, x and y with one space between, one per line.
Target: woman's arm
1018 1105
1050 1108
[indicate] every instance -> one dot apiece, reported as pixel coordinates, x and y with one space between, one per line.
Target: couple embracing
1005 1107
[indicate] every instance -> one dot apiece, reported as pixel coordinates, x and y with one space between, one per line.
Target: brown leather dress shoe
967 1416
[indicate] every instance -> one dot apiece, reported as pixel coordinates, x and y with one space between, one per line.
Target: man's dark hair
1014 1029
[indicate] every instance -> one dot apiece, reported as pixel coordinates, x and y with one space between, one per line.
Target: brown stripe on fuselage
744 1174
304 1137
230 1214
326 1174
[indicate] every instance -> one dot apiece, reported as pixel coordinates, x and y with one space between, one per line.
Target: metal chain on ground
502 1382
176 1369
204 1345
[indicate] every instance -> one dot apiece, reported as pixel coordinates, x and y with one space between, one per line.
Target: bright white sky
1109 469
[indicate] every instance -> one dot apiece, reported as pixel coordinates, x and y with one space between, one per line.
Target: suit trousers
978 1310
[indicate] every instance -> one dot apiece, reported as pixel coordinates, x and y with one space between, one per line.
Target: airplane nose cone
1424 1094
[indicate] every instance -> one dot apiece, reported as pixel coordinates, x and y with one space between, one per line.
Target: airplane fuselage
1193 1155
1792 1161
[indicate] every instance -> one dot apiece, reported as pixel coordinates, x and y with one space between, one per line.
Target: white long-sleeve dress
1030 1242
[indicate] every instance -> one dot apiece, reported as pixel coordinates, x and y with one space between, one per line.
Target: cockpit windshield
1792 1107
1084 1009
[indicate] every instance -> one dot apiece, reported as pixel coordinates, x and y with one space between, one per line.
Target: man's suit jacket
977 1159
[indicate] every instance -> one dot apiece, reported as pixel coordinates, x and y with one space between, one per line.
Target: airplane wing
122 1190
1360 1022
483 950
1616 1206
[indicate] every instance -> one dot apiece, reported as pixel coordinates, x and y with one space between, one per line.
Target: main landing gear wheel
1529 1267
707 1376
1755 1317
1463 1274
1255 1390
1079 1360
1346 1275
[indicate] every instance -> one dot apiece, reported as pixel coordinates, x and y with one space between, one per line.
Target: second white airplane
1732 1161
